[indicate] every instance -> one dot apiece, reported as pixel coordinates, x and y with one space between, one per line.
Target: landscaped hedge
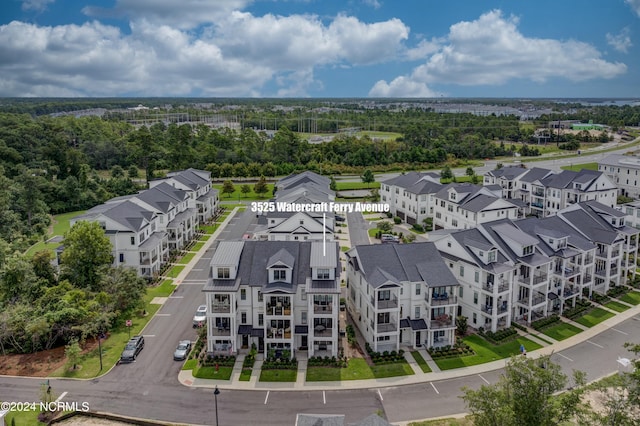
460 349
519 326
545 322
617 291
219 360
600 298
318 361
280 364
385 357
581 308
499 336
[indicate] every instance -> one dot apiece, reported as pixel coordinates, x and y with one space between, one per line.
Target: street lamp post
216 392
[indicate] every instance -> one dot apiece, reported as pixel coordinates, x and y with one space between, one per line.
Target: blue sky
320 48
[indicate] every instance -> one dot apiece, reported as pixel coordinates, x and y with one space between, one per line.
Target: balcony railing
387 327
537 205
588 260
322 309
537 279
613 271
439 300
568 292
278 310
326 332
536 300
538 193
602 272
502 286
441 323
221 331
385 303
587 279
221 308
615 253
279 333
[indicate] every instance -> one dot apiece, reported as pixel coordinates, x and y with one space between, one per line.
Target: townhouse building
134 234
616 243
624 172
282 296
300 226
464 206
401 295
197 184
410 195
632 214
508 178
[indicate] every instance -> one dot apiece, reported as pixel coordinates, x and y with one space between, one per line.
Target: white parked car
200 317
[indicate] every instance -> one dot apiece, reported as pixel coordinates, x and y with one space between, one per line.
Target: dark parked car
182 350
340 218
132 349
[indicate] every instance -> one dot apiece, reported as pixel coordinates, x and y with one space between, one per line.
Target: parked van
388 238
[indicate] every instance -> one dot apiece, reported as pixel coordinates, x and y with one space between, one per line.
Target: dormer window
323 274
526 251
279 275
224 273
491 256
452 196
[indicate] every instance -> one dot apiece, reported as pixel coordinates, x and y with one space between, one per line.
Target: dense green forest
52 162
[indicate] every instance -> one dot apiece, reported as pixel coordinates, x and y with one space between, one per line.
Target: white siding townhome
632 214
282 296
410 195
624 172
464 206
401 295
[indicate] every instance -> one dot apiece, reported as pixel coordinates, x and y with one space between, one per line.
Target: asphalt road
148 388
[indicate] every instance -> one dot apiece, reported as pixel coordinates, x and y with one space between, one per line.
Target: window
475 318
476 277
454 222
449 244
417 312
461 271
475 297
121 257
491 256
303 317
223 273
323 274
260 320
418 289
527 250
133 241
303 295
460 290
260 296
243 318
243 294
279 275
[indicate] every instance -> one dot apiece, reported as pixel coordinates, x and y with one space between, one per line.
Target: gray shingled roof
126 213
534 174
411 179
283 257
509 173
619 160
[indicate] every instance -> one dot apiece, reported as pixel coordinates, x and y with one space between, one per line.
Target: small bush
397 220
545 322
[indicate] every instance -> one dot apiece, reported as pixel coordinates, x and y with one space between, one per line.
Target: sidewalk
186 378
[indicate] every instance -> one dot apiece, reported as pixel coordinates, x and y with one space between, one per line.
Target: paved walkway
186 377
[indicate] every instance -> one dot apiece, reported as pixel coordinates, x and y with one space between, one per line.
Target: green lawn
204 238
209 229
245 375
561 331
346 186
357 369
633 297
344 248
61 225
372 232
486 352
239 196
23 417
278 375
578 167
618 307
223 373
190 364
595 316
165 289
173 272
197 247
186 258
421 362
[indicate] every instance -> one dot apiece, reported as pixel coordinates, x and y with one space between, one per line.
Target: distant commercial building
624 171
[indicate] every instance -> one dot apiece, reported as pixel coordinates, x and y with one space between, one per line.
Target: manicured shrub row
220 360
460 349
545 322
318 361
499 336
600 298
581 308
617 291
519 326
385 357
280 364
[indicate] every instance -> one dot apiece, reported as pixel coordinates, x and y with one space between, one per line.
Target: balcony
536 300
568 292
221 308
587 279
278 310
615 253
613 271
221 331
322 331
279 333
387 327
322 309
568 272
502 308
537 205
502 286
537 279
588 260
538 192
384 303
442 299
602 272
443 321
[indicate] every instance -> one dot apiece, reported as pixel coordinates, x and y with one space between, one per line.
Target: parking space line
485 380
266 398
565 357
324 397
380 395
176 297
62 395
434 388
595 344
619 331
163 315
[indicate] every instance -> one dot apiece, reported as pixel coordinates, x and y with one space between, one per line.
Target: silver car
200 317
182 350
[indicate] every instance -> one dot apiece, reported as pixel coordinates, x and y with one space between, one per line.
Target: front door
304 343
418 338
261 344
245 341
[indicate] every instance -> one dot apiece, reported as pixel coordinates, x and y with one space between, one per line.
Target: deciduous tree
87 251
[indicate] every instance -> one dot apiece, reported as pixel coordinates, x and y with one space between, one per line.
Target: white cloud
37 5
620 42
492 51
635 5
401 87
373 3
237 56
184 14
423 49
